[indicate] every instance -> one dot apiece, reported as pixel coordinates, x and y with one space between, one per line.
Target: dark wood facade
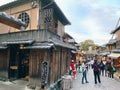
4 63
20 62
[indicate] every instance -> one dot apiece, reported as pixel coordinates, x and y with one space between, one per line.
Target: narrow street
106 83
15 85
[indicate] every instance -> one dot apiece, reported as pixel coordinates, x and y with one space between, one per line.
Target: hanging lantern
21 46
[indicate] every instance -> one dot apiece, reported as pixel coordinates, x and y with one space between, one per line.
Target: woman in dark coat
96 70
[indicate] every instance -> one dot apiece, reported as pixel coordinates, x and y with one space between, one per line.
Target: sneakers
96 82
82 82
86 82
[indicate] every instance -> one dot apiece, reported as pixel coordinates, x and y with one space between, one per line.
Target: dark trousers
102 72
97 76
111 74
84 76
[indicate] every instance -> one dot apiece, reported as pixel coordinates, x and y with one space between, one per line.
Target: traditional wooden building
111 44
115 52
35 48
70 40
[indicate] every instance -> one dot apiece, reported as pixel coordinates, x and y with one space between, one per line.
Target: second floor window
24 17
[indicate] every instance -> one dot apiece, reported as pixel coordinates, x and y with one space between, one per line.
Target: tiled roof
112 41
49 44
3 46
57 10
44 45
13 4
114 31
18 42
60 43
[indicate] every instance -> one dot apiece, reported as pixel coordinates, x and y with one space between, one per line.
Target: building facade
115 52
36 51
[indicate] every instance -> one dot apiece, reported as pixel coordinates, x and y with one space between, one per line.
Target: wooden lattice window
24 17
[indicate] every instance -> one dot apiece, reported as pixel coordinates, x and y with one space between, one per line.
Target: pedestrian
102 68
110 71
73 67
70 71
79 64
84 72
106 69
96 70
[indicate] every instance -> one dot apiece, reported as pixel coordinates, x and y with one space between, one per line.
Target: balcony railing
37 35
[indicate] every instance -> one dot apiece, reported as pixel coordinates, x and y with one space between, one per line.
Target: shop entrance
18 62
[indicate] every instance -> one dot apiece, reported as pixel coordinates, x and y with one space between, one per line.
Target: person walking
106 69
96 70
110 71
73 67
102 68
84 72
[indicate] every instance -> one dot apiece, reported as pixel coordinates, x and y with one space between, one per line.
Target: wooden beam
9 23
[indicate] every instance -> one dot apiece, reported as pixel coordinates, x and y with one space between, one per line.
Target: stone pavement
15 85
106 83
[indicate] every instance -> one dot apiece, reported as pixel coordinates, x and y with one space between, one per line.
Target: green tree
86 44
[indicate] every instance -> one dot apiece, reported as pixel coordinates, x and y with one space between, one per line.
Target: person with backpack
111 70
96 70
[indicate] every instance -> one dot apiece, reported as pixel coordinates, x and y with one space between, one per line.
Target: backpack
101 65
114 70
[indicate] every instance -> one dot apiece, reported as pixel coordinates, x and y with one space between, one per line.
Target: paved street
16 85
106 83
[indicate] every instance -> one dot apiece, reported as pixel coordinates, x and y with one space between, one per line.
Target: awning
114 55
18 42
